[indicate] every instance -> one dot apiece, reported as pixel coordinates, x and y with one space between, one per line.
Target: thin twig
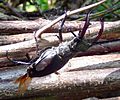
107 7
103 13
40 31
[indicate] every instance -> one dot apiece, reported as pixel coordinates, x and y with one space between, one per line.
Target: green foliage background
109 4
110 9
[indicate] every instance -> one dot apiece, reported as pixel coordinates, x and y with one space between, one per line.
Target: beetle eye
30 71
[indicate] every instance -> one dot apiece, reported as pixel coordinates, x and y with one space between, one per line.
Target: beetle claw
57 73
61 28
86 25
100 31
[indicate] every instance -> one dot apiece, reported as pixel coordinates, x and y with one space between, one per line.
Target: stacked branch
98 49
111 32
93 76
80 78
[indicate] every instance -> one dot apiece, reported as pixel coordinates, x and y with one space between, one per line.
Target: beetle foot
57 73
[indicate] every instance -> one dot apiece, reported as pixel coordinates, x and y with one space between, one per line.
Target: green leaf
43 4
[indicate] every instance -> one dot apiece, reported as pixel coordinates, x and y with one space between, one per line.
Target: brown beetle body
54 58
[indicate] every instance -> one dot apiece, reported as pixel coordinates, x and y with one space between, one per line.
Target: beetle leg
87 23
100 31
73 33
28 57
17 62
36 43
57 73
61 27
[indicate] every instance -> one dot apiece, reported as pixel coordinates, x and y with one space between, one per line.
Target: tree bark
74 84
14 27
99 49
48 40
102 48
109 34
47 26
10 39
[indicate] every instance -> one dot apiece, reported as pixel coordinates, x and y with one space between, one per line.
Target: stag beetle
52 59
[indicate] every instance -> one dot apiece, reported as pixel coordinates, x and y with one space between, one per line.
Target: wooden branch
96 62
104 48
10 39
112 31
108 28
14 27
74 85
30 26
27 46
